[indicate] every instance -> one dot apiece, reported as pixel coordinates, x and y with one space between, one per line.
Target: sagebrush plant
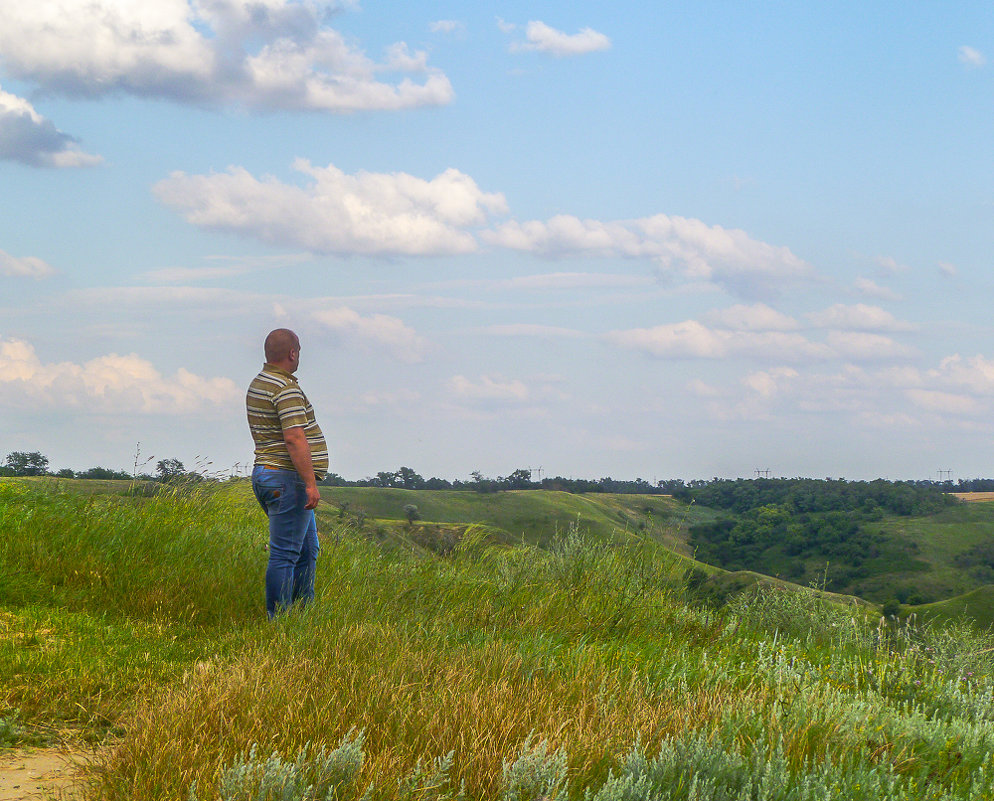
569 672
317 774
536 774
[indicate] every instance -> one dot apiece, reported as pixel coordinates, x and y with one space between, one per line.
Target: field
568 660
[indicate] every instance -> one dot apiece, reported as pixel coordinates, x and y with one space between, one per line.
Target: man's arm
300 455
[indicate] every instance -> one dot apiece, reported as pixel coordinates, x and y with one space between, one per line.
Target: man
290 458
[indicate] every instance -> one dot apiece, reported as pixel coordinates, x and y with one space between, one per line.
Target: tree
169 469
27 464
411 513
408 479
103 473
519 479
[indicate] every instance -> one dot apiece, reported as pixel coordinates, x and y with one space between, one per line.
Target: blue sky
657 240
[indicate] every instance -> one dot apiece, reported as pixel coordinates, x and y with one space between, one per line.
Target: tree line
520 479
34 463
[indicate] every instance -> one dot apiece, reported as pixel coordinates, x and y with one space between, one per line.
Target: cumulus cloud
862 346
859 317
23 266
29 138
971 57
488 388
975 374
758 317
767 383
446 26
729 257
891 266
692 340
365 213
257 53
546 39
871 289
110 384
388 333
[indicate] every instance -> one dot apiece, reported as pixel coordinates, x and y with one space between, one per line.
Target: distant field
974 497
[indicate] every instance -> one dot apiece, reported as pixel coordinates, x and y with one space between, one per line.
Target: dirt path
32 774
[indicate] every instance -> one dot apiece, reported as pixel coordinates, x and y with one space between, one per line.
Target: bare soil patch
30 774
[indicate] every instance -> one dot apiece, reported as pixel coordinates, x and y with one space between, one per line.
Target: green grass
585 669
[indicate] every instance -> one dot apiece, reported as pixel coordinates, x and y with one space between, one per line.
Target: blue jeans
293 538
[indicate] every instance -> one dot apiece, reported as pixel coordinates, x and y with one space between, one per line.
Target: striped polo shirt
275 402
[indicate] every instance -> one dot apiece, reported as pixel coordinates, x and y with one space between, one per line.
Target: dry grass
413 702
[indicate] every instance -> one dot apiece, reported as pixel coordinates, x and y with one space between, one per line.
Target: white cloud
703 389
488 388
728 257
891 266
446 26
944 402
971 57
767 383
110 384
29 138
388 333
258 53
367 213
975 374
948 269
24 266
871 289
758 317
862 346
858 318
545 39
692 340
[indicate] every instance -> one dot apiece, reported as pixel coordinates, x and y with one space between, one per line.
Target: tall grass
495 673
193 554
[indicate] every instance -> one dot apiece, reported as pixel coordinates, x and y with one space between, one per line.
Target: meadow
575 665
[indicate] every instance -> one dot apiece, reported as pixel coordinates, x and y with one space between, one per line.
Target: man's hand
313 497
300 455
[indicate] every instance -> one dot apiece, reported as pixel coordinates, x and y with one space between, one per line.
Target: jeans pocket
272 491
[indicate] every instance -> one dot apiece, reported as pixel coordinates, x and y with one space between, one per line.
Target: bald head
282 347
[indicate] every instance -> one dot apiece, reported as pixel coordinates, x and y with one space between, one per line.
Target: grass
577 670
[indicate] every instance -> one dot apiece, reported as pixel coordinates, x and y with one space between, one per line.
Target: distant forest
710 492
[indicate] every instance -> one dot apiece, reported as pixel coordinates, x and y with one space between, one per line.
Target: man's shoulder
272 379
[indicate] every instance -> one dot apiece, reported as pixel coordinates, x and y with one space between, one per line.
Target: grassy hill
582 670
920 560
532 516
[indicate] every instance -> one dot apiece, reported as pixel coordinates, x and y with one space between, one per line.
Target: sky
656 240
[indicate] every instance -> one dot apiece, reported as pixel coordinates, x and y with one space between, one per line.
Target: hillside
588 670
915 558
532 516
